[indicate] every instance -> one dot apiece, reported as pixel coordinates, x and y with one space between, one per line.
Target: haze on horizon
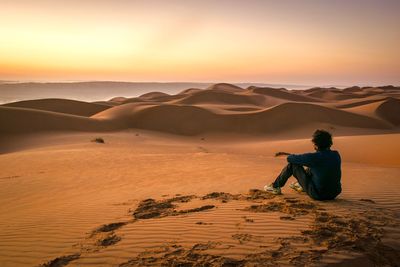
298 42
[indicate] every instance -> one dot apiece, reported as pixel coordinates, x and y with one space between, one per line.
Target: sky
336 42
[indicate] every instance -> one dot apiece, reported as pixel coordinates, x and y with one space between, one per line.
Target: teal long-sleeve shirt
325 167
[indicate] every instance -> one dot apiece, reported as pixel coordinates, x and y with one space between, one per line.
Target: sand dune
118 99
302 114
153 95
276 93
225 87
219 97
387 109
106 103
368 89
350 92
358 102
67 106
189 120
157 97
86 91
220 108
320 89
390 88
333 95
353 89
190 90
390 110
23 120
123 114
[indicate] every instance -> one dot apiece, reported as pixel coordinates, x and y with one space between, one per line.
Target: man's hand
277 154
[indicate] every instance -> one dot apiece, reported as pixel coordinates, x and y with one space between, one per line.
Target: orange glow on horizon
196 42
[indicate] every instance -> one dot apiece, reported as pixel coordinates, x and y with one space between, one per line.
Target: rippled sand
59 190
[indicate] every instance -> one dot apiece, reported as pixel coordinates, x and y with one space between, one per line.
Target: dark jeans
302 176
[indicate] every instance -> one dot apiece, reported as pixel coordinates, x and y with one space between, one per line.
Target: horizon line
183 82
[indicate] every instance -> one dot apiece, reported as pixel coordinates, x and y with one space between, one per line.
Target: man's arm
277 154
307 159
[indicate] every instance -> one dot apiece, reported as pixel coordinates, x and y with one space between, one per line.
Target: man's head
322 140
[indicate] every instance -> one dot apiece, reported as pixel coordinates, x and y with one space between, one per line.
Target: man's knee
296 167
299 172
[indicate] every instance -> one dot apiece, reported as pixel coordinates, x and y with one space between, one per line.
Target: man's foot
271 189
296 186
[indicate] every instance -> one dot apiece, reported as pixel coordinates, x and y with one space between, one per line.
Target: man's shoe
271 189
296 186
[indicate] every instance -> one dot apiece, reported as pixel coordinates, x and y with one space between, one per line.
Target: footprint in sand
202 149
61 261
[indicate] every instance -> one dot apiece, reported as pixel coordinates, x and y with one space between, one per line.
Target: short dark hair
322 139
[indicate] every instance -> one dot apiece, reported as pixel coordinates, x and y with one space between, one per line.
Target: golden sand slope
390 110
191 120
387 109
23 120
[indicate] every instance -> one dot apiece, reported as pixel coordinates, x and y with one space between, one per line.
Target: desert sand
177 180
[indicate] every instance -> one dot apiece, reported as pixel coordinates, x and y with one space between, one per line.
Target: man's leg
291 169
304 178
282 178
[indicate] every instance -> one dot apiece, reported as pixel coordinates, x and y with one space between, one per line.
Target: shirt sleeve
307 159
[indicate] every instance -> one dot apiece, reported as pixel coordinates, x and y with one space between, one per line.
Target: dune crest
225 87
280 94
219 97
153 95
67 106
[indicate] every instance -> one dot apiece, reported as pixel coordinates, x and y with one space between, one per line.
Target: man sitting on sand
321 180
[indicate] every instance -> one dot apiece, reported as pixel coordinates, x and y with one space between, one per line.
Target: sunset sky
298 42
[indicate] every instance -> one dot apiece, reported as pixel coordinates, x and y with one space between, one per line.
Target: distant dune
281 94
194 120
190 90
153 95
358 102
67 106
12 91
219 108
332 95
225 87
390 111
219 97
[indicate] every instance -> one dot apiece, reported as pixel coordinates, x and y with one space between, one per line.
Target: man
321 181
